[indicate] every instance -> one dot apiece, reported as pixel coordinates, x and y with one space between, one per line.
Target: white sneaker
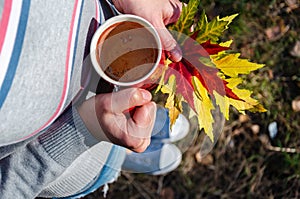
162 130
161 156
158 159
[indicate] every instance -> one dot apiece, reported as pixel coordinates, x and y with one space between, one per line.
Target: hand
105 118
159 13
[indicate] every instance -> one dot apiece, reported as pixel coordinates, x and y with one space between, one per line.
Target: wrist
87 112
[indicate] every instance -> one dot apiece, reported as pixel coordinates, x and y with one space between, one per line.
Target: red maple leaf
208 75
190 66
183 81
213 49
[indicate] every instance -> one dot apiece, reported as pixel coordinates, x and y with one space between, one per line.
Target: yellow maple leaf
170 87
232 65
173 102
203 106
214 79
228 19
162 78
223 102
246 102
226 43
174 105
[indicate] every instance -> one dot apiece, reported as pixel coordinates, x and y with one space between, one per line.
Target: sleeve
112 6
27 169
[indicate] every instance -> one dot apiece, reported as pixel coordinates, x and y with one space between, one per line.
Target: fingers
131 132
140 127
128 98
176 11
169 44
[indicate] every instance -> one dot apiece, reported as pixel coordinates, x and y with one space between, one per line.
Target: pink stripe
97 9
66 80
64 92
97 15
4 21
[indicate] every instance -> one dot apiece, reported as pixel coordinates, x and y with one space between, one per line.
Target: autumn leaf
173 102
232 65
246 102
187 18
203 107
213 49
166 63
183 81
214 29
208 74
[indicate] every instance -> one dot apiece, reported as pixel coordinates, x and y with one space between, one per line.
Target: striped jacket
44 66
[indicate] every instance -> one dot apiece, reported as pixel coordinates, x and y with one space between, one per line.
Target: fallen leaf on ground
244 118
296 104
206 160
292 5
276 32
167 193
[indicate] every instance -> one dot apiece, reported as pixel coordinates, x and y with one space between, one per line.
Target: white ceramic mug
108 47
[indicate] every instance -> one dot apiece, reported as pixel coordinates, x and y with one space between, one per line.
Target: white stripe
9 41
72 49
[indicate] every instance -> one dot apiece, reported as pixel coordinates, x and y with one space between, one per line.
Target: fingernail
153 109
146 94
151 113
176 55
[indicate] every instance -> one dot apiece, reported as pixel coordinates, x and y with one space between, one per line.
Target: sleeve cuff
111 4
67 138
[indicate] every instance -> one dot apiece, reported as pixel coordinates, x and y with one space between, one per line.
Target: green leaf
187 18
212 30
202 22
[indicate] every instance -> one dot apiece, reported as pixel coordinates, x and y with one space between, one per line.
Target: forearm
28 169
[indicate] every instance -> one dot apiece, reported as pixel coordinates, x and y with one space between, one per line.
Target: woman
51 140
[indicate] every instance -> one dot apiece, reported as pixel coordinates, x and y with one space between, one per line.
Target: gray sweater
45 148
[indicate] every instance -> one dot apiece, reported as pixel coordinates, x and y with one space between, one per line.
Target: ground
248 160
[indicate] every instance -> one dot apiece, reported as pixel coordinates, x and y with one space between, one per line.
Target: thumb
169 43
128 98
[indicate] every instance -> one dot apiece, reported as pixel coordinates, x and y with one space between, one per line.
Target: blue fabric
161 129
146 162
108 173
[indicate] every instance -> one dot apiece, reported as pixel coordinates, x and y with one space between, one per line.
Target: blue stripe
76 38
14 61
108 173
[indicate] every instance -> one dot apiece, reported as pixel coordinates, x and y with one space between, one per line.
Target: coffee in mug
126 50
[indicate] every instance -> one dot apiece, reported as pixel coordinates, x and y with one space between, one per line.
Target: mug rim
108 23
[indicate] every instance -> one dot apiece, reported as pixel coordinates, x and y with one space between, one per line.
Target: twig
282 149
160 184
266 143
